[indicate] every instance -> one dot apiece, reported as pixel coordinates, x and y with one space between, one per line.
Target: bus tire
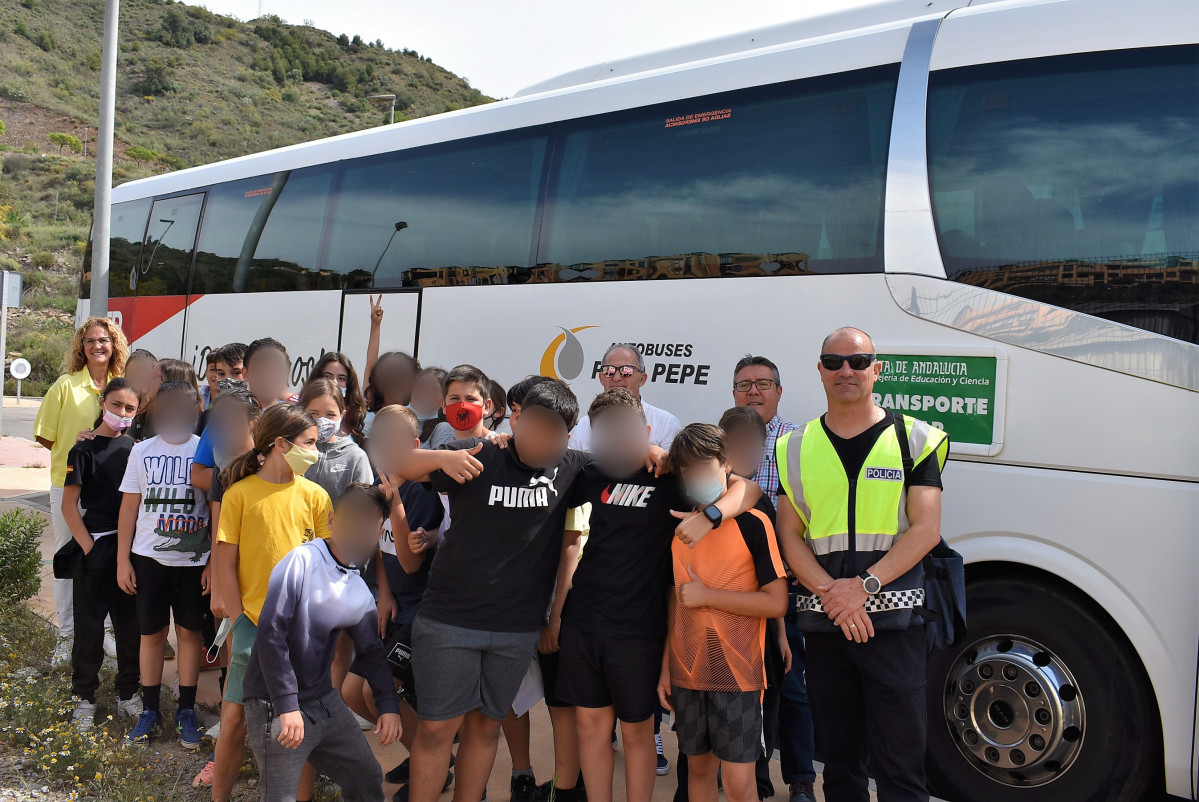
1034 706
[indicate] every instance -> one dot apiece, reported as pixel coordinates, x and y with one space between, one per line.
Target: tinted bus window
166 262
786 178
263 234
1074 181
467 211
127 225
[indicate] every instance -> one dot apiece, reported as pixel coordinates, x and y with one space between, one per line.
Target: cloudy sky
503 47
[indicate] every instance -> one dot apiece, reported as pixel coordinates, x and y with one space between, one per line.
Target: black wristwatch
870 583
712 513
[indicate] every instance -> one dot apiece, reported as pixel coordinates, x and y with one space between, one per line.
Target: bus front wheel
1039 702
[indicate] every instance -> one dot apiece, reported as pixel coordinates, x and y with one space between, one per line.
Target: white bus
1005 194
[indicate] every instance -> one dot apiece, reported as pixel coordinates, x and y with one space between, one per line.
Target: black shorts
163 590
397 648
599 671
726 723
548 663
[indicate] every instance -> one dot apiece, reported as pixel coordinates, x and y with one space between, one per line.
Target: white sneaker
363 723
131 708
110 644
85 715
214 731
62 653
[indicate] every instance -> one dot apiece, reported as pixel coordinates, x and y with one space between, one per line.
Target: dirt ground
30 126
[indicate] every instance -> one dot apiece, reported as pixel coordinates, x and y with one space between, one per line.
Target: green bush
178 30
43 259
45 40
14 92
3 128
158 77
17 163
20 556
43 343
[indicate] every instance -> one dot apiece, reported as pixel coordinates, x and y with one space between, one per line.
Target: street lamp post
104 142
385 100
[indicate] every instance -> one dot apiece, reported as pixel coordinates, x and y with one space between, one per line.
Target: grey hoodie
342 461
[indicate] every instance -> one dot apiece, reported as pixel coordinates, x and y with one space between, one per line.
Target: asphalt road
18 422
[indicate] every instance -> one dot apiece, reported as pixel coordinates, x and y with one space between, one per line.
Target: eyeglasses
856 361
608 371
89 342
762 384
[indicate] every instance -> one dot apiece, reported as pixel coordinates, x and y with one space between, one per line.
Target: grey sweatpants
333 743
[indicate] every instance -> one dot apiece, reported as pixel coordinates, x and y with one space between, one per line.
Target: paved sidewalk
24 471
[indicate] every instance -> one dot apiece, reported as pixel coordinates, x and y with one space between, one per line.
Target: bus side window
777 179
1072 180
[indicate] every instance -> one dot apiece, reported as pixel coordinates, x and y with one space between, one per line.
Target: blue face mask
707 491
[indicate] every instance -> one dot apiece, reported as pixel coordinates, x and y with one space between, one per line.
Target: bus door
400 328
160 280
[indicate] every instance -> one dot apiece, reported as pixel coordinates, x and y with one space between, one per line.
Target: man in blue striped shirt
756 384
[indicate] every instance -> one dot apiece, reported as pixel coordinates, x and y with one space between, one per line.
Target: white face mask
326 428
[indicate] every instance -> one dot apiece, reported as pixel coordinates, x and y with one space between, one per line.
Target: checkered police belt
879 603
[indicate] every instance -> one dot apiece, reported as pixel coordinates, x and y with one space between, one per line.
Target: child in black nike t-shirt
614 618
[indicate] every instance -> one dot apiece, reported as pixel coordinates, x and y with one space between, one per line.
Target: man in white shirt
623 366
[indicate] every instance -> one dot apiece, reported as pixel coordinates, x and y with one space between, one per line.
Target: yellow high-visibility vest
865 515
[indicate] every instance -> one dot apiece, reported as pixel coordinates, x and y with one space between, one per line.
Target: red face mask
463 415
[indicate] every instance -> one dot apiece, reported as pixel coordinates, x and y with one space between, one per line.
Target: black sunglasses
856 361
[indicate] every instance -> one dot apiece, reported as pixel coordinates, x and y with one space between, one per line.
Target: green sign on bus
954 393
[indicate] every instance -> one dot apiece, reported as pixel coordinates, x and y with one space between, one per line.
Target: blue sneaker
188 727
147 724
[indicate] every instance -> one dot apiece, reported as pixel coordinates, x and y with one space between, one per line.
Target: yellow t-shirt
265 521
71 405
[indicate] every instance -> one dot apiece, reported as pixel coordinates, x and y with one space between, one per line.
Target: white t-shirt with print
172 518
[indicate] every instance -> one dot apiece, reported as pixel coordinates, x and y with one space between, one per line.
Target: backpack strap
905 448
905 454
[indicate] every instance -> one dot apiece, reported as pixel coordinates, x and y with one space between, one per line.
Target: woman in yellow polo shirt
97 353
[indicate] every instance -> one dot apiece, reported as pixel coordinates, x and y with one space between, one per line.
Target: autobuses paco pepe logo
565 359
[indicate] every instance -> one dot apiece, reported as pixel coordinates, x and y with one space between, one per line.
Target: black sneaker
402 794
802 791
663 764
567 795
524 788
399 775
543 792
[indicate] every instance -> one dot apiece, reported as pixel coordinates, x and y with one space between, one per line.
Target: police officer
854 526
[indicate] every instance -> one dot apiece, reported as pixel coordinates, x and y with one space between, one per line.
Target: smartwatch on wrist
870 583
713 514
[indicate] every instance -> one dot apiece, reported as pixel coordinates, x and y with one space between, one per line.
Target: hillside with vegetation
192 87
